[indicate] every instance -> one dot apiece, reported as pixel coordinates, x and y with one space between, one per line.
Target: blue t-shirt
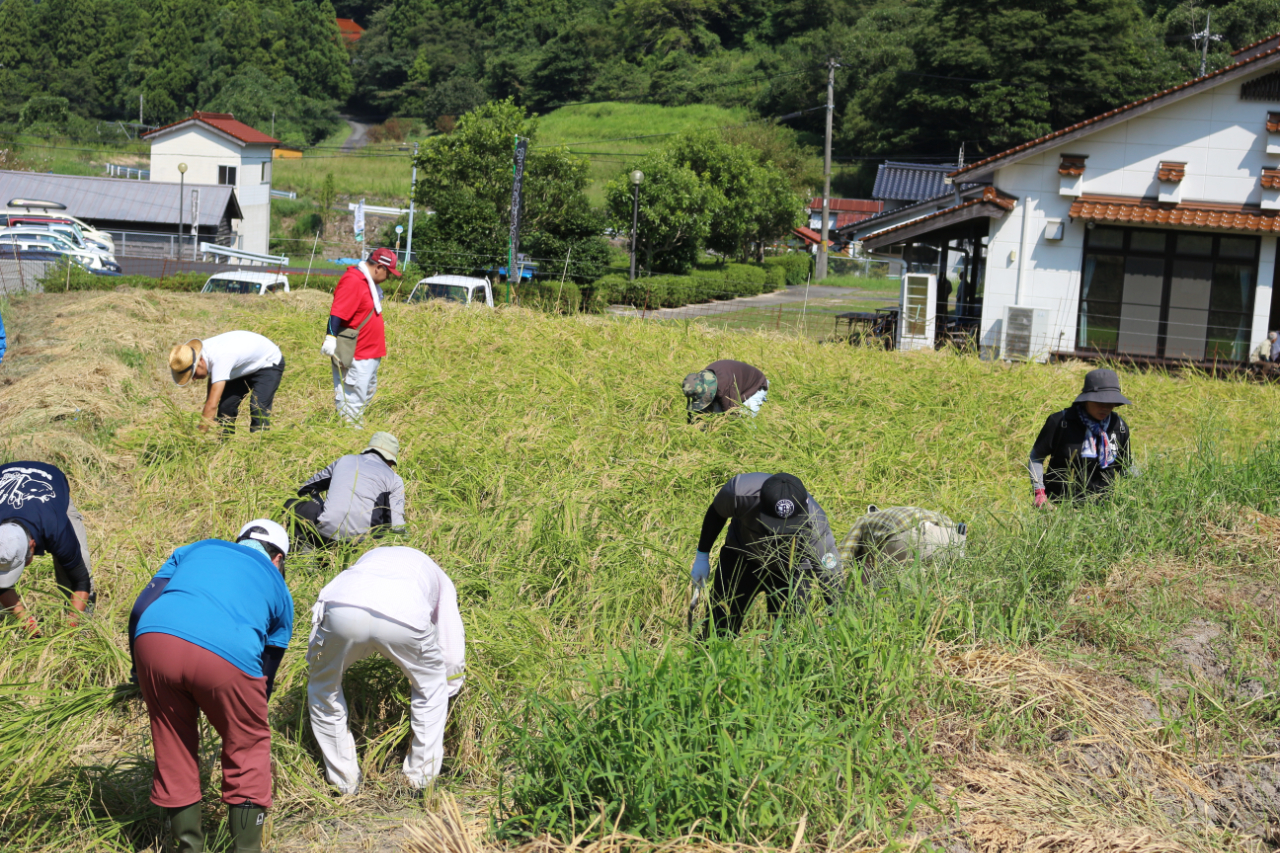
223 597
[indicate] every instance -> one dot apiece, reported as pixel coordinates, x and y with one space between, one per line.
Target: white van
244 281
453 288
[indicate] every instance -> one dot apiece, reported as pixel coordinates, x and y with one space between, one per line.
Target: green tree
17 53
675 212
465 178
318 60
161 62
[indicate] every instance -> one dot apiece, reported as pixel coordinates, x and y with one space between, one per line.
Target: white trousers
354 387
343 635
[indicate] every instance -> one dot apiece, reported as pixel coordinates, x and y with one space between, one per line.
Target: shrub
775 278
798 265
551 296
603 292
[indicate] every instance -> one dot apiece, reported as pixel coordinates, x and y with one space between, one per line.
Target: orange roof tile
1171 172
1147 212
1271 179
990 195
225 122
1072 164
349 29
1048 137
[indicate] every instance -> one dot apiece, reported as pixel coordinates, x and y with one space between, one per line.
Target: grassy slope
605 126
550 471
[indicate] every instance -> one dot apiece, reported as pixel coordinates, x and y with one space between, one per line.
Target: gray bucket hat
1102 386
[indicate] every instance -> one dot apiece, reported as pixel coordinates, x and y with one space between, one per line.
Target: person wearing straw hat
37 517
900 534
207 634
397 602
1087 444
356 339
237 364
779 543
723 385
363 494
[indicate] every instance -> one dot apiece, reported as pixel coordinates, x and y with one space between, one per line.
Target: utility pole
139 109
821 271
273 123
413 190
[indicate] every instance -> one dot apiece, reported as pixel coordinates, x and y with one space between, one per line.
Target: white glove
701 569
330 345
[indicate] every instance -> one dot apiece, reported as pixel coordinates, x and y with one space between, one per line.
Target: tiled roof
117 200
1171 172
1271 179
1072 165
1249 47
990 195
849 205
224 122
1141 211
910 181
349 29
807 234
1048 137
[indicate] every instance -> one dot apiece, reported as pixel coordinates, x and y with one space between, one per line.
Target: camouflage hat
700 388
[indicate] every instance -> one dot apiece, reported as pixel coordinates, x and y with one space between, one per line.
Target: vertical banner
513 242
359 223
195 222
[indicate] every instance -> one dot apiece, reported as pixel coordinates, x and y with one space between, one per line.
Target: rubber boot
245 822
188 837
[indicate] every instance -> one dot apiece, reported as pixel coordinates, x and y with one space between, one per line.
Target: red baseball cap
386 258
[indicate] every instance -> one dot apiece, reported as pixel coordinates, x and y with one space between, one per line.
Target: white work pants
343 635
354 387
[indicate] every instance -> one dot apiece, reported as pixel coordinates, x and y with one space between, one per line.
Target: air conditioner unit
1026 334
918 315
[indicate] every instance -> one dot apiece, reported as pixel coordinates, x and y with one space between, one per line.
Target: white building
220 151
1145 233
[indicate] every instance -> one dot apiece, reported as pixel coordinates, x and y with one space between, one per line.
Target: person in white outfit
397 602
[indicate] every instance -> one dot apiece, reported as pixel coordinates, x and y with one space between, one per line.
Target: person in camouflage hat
724 385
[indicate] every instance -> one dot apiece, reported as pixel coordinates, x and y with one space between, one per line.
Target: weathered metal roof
910 181
122 200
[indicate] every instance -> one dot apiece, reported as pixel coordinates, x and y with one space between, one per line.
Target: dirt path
359 135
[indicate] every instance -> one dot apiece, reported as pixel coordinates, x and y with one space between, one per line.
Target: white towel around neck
373 288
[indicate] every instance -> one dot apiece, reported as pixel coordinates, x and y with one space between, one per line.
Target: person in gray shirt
363 494
779 543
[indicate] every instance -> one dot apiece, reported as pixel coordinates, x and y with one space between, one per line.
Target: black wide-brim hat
1102 386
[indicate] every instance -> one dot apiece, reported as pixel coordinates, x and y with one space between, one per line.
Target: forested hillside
917 77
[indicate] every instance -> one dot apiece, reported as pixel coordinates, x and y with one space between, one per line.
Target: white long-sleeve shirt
407 586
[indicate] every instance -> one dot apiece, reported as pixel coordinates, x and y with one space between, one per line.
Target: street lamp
636 177
182 183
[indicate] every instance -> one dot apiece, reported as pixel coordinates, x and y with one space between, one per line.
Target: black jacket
1068 474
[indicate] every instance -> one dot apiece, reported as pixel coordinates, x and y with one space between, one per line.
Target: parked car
91 236
27 238
453 288
8 252
245 282
53 210
69 230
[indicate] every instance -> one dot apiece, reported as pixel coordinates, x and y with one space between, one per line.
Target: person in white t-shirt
238 365
397 602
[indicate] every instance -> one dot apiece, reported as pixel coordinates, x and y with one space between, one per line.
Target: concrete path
791 295
359 135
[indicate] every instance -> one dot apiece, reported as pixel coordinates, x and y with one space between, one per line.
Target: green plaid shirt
870 532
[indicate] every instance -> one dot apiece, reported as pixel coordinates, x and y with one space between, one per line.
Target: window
227 176
1169 294
266 171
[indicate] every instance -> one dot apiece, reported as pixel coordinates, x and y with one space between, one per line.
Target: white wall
1221 138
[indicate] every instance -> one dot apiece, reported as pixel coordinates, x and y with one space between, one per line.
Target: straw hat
183 360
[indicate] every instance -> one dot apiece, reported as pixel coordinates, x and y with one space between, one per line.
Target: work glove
1040 499
701 569
330 345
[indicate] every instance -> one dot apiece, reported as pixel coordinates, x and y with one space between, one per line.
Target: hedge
798 266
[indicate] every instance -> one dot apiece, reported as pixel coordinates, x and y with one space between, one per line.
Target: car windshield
227 285
448 292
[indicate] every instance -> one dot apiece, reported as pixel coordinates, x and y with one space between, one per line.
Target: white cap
15 544
275 533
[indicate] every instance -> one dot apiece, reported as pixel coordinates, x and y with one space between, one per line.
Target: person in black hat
778 543
1087 443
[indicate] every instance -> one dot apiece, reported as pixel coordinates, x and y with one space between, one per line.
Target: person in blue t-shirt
208 634
2 340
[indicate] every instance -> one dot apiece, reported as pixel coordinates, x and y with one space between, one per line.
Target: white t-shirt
235 354
405 585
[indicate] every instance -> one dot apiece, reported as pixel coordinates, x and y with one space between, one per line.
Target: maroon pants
179 680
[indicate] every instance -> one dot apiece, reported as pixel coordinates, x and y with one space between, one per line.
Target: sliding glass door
1167 294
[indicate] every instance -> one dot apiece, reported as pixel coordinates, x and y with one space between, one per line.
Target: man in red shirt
357 306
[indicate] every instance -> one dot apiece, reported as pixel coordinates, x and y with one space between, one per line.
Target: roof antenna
960 164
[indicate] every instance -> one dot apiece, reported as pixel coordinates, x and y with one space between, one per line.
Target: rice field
1100 678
